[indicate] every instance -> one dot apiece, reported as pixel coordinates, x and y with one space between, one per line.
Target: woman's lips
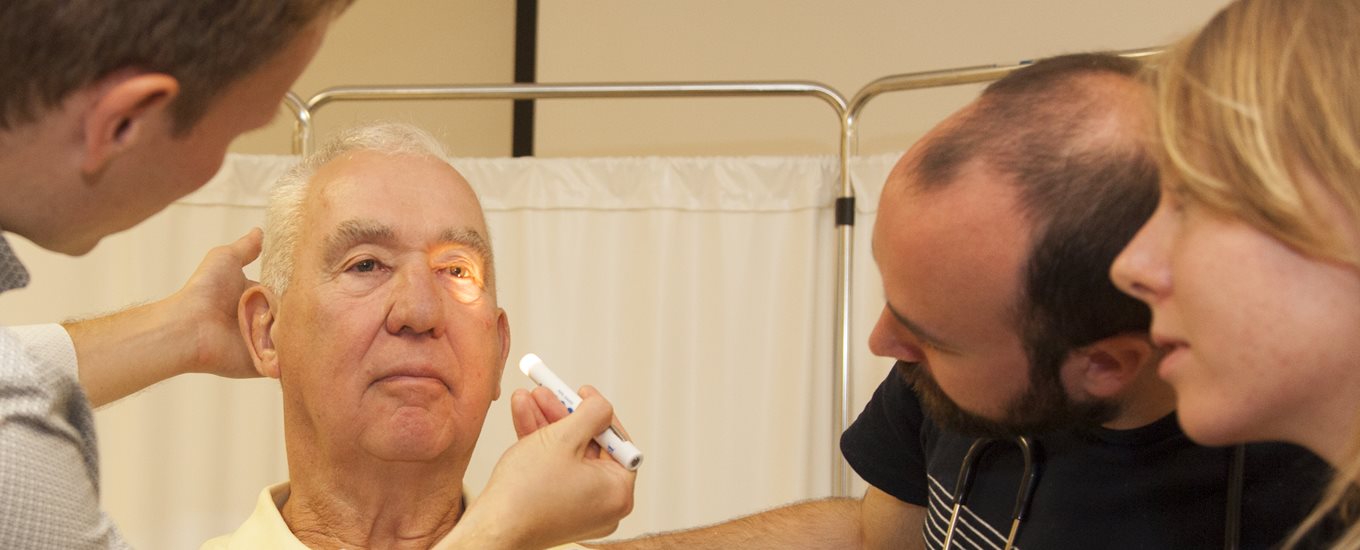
1173 351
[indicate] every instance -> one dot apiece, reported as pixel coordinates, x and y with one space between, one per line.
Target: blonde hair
1261 100
284 216
1251 104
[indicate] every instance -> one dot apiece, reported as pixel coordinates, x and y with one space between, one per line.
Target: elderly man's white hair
284 215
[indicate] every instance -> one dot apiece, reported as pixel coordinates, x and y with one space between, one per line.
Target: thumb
247 248
577 429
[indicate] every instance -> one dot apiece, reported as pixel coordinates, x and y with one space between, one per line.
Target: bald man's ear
256 314
503 328
124 110
1107 368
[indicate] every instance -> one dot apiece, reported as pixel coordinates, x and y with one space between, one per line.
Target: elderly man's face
388 336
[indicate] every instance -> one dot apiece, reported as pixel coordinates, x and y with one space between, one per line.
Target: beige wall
386 42
845 44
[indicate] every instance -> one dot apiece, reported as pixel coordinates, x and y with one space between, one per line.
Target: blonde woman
1251 262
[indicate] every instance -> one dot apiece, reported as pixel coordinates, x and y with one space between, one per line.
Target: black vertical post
526 58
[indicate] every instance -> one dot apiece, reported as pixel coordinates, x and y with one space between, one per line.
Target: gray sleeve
49 464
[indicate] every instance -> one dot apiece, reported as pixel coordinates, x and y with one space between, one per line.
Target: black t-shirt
1149 487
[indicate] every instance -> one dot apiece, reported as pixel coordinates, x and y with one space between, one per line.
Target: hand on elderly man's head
208 302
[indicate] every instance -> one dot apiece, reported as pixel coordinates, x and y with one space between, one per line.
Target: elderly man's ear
256 316
502 327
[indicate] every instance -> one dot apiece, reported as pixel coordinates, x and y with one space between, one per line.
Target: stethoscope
1029 478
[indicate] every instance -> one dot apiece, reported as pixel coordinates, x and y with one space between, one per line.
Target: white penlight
623 451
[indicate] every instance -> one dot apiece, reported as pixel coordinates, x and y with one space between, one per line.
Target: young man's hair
52 48
1066 133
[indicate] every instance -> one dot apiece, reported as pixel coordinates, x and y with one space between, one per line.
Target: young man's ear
123 108
1109 367
256 314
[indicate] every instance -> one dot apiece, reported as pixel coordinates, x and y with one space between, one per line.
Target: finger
555 410
618 426
247 248
525 414
577 429
551 408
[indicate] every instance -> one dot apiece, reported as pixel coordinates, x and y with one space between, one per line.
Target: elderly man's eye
461 271
364 266
464 280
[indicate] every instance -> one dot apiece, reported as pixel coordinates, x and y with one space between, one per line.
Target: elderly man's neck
408 505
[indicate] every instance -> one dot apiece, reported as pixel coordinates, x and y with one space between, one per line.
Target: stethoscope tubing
1029 479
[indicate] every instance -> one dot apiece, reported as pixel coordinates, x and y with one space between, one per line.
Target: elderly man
994 238
377 313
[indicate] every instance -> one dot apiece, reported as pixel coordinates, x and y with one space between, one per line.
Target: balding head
1070 133
1037 184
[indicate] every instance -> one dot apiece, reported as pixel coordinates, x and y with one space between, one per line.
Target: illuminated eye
365 266
465 287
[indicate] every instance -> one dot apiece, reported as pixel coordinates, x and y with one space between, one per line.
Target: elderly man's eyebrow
351 233
920 332
470 238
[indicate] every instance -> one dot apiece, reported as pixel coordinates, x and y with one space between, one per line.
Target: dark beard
1044 407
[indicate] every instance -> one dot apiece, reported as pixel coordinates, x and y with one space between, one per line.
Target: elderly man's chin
409 420
1044 407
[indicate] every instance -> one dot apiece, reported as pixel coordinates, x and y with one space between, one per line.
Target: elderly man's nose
417 304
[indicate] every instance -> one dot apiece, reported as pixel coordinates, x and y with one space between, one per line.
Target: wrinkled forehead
413 191
396 199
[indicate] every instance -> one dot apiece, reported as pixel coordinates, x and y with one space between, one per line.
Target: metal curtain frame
303 143
843 408
306 111
302 122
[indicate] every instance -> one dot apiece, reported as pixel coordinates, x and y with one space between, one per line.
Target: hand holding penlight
623 451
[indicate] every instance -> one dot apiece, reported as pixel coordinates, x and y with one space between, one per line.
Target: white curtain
697 293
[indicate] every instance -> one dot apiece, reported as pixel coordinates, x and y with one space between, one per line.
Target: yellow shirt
265 528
